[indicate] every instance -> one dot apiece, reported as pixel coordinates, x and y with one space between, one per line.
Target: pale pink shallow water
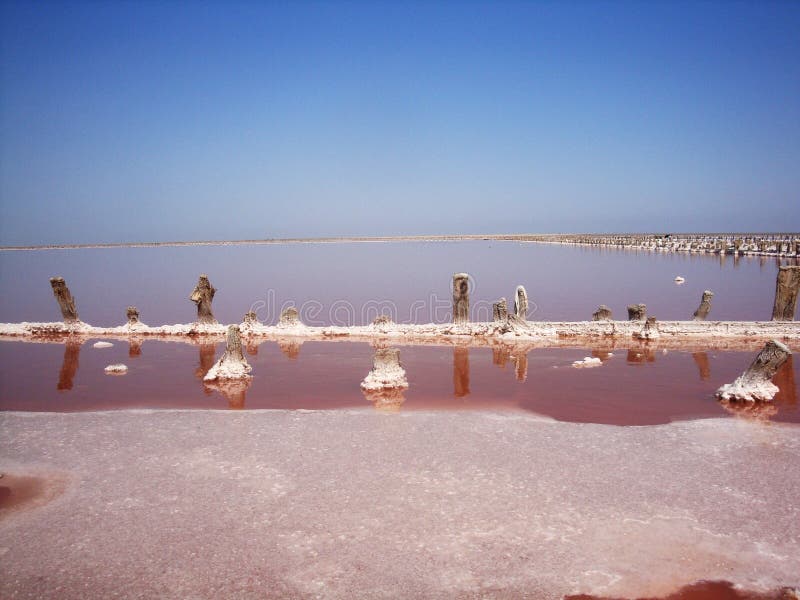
639 385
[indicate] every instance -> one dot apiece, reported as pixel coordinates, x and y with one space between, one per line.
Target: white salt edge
588 361
118 368
102 345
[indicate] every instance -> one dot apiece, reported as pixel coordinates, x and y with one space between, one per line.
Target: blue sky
149 121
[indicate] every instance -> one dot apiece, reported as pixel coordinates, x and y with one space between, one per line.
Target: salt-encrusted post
289 317
500 310
521 303
786 289
460 298
705 306
603 313
233 364
637 312
65 300
755 383
387 372
202 296
133 315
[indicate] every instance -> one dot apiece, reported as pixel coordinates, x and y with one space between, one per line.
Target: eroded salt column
521 303
756 382
250 318
387 372
705 306
460 298
202 296
65 300
133 316
603 313
289 317
233 364
649 331
786 289
637 312
500 310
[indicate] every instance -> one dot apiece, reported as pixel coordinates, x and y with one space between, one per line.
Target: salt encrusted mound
755 383
102 345
117 369
649 331
290 319
233 364
587 362
386 373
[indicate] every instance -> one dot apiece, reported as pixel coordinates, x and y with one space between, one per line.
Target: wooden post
521 303
133 315
786 289
705 306
460 298
65 300
756 382
202 296
233 364
500 310
289 317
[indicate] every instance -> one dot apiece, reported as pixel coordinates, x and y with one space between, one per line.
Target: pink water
636 386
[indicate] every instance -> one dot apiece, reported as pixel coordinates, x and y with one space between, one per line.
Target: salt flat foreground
351 504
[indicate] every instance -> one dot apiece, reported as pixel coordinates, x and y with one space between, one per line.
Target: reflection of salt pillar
290 347
460 371
65 300
202 296
500 356
786 289
460 298
701 360
705 306
134 347
233 390
784 379
521 366
207 353
69 366
755 383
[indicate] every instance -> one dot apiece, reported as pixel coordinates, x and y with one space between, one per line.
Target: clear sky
151 121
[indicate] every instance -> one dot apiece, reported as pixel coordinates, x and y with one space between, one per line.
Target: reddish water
633 387
704 590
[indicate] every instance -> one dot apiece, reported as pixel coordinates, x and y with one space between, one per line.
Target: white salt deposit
587 362
116 369
102 345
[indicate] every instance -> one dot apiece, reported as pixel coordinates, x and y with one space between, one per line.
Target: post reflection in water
134 347
233 390
785 381
520 365
290 347
603 355
69 366
500 356
460 371
207 355
641 355
701 360
386 400
252 347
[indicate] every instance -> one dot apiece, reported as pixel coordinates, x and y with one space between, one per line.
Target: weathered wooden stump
289 317
202 296
65 300
756 382
786 289
460 298
705 306
500 310
521 303
132 314
233 364
603 313
637 312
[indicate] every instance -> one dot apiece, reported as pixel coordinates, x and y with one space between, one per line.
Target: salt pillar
603 313
202 296
460 298
705 306
289 317
521 303
637 312
756 382
500 310
786 289
233 364
386 373
65 300
133 315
